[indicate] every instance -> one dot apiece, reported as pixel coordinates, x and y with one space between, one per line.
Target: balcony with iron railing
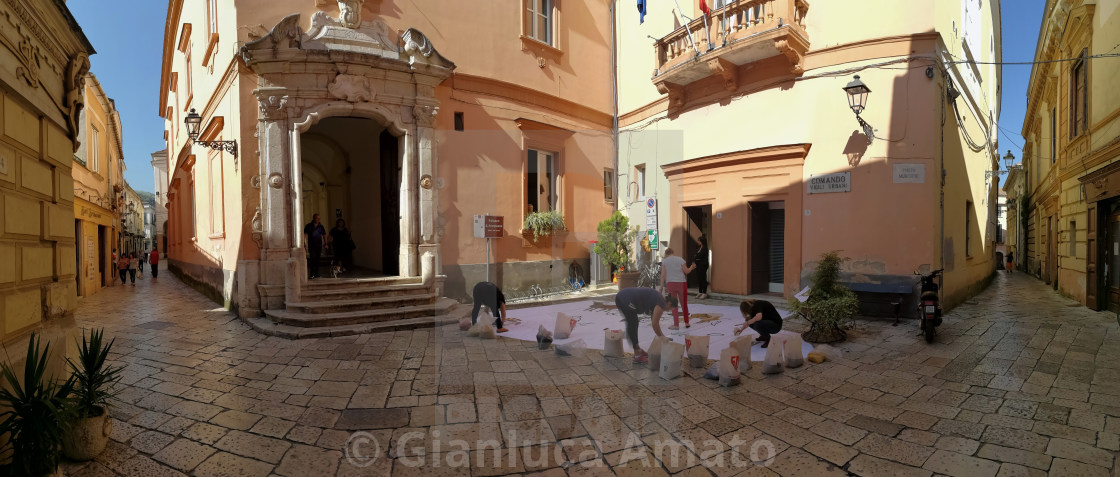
740 33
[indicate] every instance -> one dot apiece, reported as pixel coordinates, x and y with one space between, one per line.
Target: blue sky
1021 20
127 65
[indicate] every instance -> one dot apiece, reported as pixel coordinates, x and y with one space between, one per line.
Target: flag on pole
704 8
641 11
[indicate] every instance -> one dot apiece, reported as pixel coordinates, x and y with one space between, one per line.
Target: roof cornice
170 29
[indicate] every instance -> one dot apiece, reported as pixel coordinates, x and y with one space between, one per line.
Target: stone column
274 180
409 262
428 196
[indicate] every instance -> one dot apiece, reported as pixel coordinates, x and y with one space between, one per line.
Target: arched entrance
346 127
351 170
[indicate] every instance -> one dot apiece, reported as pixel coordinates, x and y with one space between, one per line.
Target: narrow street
1020 382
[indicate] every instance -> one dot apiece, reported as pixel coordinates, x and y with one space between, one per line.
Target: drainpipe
614 105
941 186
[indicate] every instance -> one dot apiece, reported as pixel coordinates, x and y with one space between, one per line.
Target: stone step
364 291
342 283
313 320
364 303
268 327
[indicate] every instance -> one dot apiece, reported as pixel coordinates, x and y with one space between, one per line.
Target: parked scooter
929 304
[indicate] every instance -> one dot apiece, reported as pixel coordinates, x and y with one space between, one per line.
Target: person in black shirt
634 301
701 263
314 243
486 293
762 317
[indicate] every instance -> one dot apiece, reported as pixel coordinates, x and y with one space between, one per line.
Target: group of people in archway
339 240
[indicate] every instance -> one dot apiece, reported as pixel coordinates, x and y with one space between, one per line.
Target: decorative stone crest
258 228
275 180
29 58
285 34
273 107
350 13
425 115
75 79
794 53
420 50
352 88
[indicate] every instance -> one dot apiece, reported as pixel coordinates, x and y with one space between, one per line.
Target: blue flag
642 11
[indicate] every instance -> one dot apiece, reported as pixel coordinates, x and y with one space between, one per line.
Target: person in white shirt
674 279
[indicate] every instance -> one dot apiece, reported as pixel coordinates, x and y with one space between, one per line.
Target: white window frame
535 10
217 193
554 182
640 179
81 155
94 148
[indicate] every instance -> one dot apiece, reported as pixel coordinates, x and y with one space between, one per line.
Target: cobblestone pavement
1020 382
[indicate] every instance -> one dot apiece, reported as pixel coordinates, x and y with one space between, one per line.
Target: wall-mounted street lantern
193 122
857 100
1008 159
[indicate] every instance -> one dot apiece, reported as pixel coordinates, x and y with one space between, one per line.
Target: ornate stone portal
339 67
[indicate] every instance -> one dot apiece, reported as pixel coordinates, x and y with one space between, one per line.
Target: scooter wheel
928 330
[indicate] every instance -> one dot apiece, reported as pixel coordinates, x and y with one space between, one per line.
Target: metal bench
882 293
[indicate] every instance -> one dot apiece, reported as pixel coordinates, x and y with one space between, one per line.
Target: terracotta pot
87 437
627 279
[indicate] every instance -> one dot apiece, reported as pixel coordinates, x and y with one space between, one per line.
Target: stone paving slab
1003 391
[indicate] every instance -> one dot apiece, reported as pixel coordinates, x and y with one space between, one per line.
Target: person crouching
761 316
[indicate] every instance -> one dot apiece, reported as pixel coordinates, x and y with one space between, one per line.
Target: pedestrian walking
132 261
153 258
122 268
674 277
486 293
702 261
314 234
761 316
342 244
143 259
1010 261
632 302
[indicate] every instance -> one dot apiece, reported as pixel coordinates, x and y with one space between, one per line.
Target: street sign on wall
826 183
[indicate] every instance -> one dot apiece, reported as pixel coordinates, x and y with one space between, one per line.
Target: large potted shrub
543 223
830 305
93 389
616 239
37 412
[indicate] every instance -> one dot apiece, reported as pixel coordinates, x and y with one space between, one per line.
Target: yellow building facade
44 58
98 181
1072 153
738 125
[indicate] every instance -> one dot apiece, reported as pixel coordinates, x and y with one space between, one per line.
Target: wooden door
1052 227
390 203
1091 277
759 234
1112 262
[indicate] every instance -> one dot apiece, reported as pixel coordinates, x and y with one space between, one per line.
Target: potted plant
830 305
543 223
93 388
616 238
36 415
